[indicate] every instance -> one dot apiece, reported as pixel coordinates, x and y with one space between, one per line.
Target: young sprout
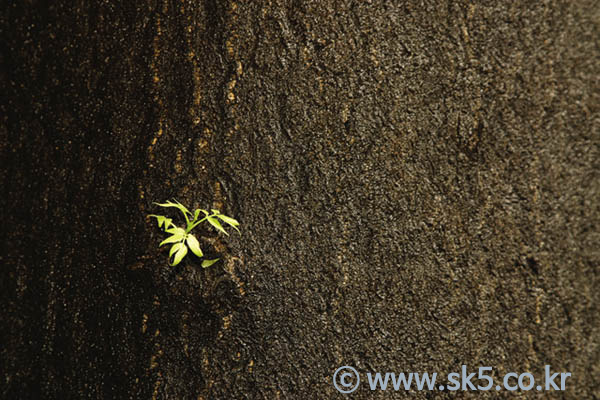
181 239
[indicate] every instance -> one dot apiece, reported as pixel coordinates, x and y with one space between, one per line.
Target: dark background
417 184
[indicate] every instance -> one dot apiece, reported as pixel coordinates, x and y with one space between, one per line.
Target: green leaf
167 204
158 217
208 263
176 237
167 222
181 252
229 220
194 245
182 207
175 230
177 205
175 248
215 211
215 222
162 220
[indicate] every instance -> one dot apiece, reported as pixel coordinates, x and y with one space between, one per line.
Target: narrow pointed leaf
196 213
175 248
167 204
177 205
160 219
179 255
229 220
172 229
176 231
183 208
215 211
172 239
194 245
167 222
208 263
215 222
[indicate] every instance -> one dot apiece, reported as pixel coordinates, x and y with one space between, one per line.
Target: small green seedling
182 239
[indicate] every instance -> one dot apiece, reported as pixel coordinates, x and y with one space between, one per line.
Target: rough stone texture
417 183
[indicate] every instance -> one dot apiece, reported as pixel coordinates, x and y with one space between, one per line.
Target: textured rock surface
417 183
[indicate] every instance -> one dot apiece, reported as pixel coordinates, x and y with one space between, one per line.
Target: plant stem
195 224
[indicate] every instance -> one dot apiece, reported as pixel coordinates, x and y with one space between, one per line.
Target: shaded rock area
418 185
